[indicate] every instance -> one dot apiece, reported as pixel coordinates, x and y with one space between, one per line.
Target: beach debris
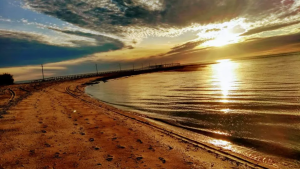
162 159
91 139
170 148
139 158
99 164
96 148
109 158
114 138
140 141
74 111
44 131
82 133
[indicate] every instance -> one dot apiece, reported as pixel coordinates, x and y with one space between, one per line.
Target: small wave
266 146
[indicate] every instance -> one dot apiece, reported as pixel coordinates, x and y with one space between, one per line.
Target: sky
71 36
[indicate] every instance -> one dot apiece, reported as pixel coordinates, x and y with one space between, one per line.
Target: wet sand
58 126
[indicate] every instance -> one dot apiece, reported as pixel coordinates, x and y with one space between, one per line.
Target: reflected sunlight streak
221 143
224 73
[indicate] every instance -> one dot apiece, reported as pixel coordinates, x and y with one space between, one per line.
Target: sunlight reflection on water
224 74
236 101
222 143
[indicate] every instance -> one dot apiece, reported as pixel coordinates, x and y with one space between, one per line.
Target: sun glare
225 37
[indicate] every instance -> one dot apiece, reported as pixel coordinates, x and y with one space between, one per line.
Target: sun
225 37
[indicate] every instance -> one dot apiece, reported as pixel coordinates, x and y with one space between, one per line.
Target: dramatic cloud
19 48
269 28
76 32
124 17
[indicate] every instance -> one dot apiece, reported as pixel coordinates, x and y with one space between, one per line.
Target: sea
247 106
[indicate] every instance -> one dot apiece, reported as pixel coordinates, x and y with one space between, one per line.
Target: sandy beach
56 125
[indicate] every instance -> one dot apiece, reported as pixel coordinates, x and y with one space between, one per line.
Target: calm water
248 106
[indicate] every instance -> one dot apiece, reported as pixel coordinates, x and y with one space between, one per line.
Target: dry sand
52 129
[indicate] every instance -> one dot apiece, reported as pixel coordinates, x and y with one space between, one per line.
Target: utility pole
43 72
96 68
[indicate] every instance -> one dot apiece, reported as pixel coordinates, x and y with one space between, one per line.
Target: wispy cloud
4 19
269 28
187 46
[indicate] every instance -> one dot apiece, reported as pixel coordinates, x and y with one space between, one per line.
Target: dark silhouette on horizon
6 79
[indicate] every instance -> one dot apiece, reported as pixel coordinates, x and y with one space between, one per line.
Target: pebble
139 158
162 160
119 146
109 158
56 155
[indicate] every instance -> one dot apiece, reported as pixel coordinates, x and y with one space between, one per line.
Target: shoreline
54 128
171 128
